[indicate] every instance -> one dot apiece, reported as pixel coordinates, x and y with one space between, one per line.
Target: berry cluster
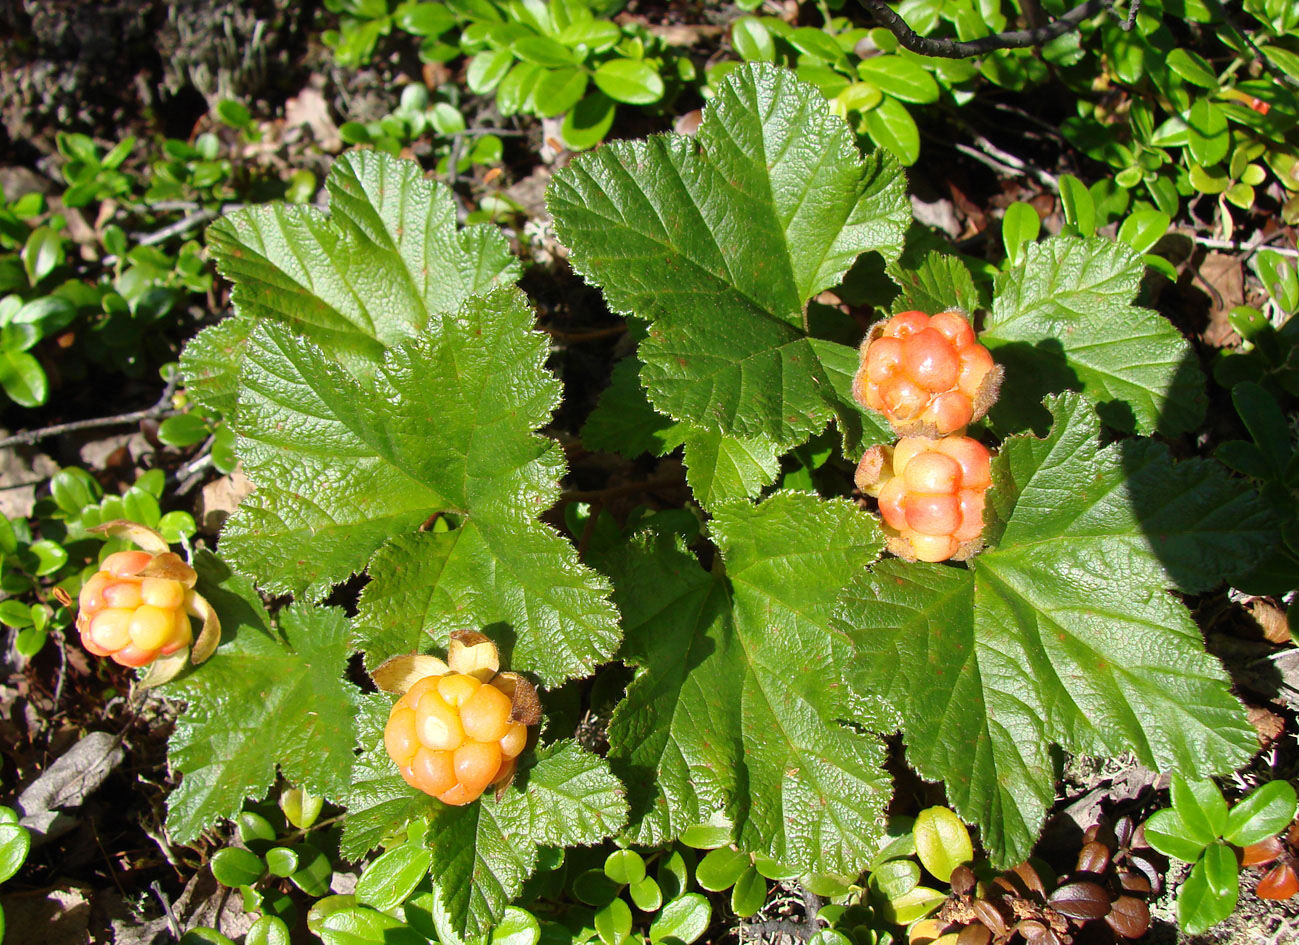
459 725
131 618
926 374
929 378
931 494
451 736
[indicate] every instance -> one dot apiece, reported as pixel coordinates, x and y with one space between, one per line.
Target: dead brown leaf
1221 274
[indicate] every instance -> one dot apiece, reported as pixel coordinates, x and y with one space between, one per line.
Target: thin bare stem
952 49
34 436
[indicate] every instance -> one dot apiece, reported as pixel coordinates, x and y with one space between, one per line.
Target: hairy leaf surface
373 271
1065 631
1064 320
444 427
739 700
267 697
720 240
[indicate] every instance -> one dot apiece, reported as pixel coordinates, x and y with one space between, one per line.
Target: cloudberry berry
930 494
459 726
926 374
137 607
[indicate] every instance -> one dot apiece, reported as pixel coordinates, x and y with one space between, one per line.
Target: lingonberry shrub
930 494
926 374
461 726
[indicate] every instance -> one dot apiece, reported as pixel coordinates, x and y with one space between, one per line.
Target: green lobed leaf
720 240
483 852
1064 631
738 701
266 697
721 467
1064 320
446 426
373 271
625 422
939 284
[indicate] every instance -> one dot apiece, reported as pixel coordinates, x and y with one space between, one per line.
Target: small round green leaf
281 861
204 936
752 40
684 919
633 81
942 842
1144 229
544 51
919 902
721 868
901 78
1167 834
268 930
15 842
595 888
1208 136
646 895
624 867
1192 67
588 122
748 894
1201 807
23 378
1078 207
891 126
706 836
50 556
1019 226
235 866
314 870
254 828
613 923
1264 813
517 927
1209 894
16 614
393 876
184 430
175 525
560 90
893 879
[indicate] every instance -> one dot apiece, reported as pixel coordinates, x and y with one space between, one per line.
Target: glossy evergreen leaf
738 702
269 696
720 240
1064 320
1063 631
1267 811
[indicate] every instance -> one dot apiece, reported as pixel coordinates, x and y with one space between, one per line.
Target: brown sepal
143 537
398 673
504 777
874 470
988 391
171 567
525 707
473 654
62 596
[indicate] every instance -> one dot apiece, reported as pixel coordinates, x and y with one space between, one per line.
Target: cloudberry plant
137 607
459 726
926 374
930 494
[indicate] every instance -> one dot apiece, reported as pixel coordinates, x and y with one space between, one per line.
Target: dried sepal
874 470
165 668
525 706
196 605
169 566
397 674
473 654
504 778
142 536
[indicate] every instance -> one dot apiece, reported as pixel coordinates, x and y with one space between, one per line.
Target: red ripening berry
926 374
930 494
129 617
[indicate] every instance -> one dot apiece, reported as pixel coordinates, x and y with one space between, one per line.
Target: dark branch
952 49
163 406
